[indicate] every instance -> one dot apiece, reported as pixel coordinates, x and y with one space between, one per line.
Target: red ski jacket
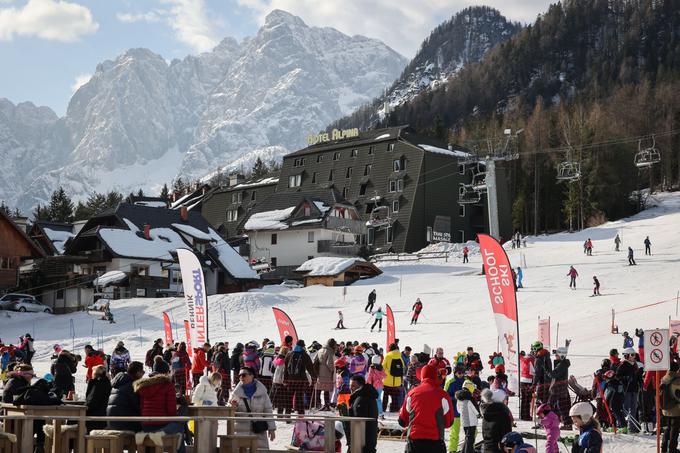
427 409
91 361
199 363
156 398
526 368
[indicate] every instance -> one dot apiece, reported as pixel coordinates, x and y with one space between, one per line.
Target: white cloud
401 25
190 21
81 79
54 20
150 16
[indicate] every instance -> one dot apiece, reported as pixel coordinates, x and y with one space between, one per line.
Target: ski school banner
194 295
187 331
391 330
544 332
167 327
285 325
503 303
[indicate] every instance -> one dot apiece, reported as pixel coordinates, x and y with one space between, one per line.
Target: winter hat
629 351
48 377
429 372
487 395
160 366
341 362
469 386
498 396
300 343
376 360
270 344
614 351
543 408
56 348
562 352
359 349
120 344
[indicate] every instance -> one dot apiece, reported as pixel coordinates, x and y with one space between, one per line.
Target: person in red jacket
427 411
92 359
465 254
526 388
441 363
572 274
199 363
157 399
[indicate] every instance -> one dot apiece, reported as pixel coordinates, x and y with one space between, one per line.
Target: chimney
22 222
236 179
184 213
147 231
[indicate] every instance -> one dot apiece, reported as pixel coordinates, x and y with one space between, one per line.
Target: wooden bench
165 443
7 442
110 441
68 433
238 443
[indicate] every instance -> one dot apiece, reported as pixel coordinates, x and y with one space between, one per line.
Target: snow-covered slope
192 115
457 311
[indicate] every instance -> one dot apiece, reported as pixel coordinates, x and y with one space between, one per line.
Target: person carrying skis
340 324
417 308
371 302
648 246
617 242
572 274
465 254
631 257
378 315
596 287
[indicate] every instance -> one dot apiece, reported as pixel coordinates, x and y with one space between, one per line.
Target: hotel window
395 206
362 189
390 147
139 270
60 294
275 238
355 152
400 185
336 155
349 172
314 175
344 192
461 169
389 236
371 149
294 180
461 210
393 186
310 236
399 164
367 169
232 215
237 197
319 158
252 196
272 261
330 175
307 210
370 236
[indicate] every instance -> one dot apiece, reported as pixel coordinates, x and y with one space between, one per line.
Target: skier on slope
572 274
519 277
341 318
371 301
617 242
417 308
648 246
631 258
378 315
465 254
596 287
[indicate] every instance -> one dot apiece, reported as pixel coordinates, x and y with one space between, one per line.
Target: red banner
168 328
391 330
503 303
285 325
544 332
187 330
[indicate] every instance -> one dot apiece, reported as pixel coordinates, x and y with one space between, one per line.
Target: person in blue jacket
519 277
589 439
627 340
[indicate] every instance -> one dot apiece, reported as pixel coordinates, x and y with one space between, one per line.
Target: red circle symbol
656 338
656 356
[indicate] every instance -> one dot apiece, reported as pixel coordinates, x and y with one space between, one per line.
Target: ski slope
456 313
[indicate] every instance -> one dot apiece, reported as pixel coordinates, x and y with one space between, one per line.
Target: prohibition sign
656 355
656 338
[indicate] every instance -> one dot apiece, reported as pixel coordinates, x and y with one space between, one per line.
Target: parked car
7 300
292 284
30 304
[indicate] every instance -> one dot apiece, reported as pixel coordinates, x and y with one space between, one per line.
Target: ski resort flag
391 333
285 325
194 295
167 327
187 330
544 332
503 303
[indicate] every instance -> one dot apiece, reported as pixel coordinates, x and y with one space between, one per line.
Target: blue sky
49 47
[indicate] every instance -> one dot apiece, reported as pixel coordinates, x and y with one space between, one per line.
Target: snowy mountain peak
280 17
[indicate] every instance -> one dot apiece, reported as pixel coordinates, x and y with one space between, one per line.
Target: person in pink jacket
551 423
375 377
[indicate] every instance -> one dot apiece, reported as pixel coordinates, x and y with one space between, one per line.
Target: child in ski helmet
589 439
551 423
513 442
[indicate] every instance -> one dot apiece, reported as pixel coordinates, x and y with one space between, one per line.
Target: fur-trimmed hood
152 380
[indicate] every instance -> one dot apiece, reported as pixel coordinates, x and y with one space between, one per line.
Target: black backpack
397 368
296 364
668 400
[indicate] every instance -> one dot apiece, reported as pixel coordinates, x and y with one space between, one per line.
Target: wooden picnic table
204 434
24 428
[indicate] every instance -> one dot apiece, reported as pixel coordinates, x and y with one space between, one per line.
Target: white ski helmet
628 351
583 410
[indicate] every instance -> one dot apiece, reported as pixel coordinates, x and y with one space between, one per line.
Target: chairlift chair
468 195
568 171
379 218
647 157
479 178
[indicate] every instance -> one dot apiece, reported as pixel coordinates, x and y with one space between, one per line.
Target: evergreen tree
260 169
179 187
4 208
165 192
140 193
41 213
61 206
17 213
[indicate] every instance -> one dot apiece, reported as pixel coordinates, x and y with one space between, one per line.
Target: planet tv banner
391 329
503 303
167 327
194 296
285 325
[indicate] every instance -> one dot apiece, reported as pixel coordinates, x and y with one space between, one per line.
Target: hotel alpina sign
335 134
